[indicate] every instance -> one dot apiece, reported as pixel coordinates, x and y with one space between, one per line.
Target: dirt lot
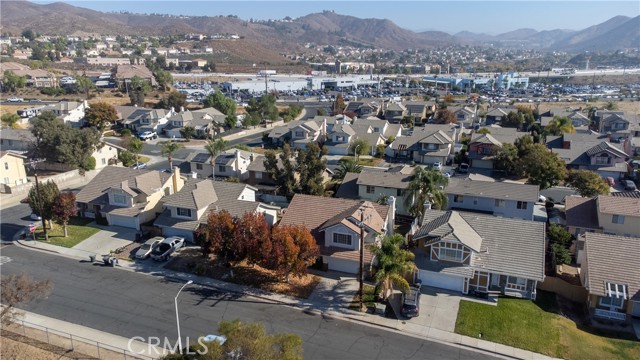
192 261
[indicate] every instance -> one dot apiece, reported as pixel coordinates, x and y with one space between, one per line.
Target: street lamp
33 164
175 301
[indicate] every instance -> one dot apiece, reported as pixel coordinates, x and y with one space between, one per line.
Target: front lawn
364 161
369 298
527 325
77 230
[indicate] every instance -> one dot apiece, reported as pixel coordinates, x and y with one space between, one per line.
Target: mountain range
326 27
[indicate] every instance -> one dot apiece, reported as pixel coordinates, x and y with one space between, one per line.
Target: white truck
147 135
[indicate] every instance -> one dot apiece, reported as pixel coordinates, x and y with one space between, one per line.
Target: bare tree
20 289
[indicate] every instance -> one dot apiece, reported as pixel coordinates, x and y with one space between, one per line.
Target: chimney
173 110
566 144
251 157
176 179
392 214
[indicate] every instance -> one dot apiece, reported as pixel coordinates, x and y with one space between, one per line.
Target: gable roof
349 187
619 205
493 190
450 226
500 251
384 178
139 181
196 194
612 259
581 212
605 146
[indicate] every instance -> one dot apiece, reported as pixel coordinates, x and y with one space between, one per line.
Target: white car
145 250
437 166
15 99
166 248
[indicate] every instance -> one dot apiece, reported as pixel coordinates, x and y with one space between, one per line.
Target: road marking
4 260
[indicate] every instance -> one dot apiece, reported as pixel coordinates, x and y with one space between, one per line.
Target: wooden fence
558 286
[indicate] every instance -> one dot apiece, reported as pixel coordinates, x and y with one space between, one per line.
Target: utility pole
363 308
33 163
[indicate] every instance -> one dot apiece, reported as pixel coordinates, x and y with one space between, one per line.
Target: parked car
145 250
15 99
147 135
463 168
437 166
629 185
166 248
411 303
139 165
610 181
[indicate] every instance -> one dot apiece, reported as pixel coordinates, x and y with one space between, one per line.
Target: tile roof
195 194
7 133
493 190
500 250
612 259
619 205
349 187
581 212
145 181
629 194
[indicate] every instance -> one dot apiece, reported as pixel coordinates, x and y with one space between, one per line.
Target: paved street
13 219
130 304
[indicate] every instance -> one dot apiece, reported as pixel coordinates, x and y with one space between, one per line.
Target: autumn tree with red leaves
219 234
293 249
63 208
251 238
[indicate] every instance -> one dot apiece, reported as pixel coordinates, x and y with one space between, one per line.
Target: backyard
536 326
77 230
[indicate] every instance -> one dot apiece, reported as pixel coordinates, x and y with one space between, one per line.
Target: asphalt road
14 219
130 304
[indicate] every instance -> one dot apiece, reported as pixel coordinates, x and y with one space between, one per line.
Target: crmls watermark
158 346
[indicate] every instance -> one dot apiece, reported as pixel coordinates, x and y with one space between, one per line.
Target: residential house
299 133
205 121
108 61
141 119
579 121
37 78
335 225
426 145
363 108
13 170
603 214
230 163
17 140
71 112
483 147
188 209
464 115
395 112
372 184
496 115
259 177
127 197
418 110
503 199
469 252
611 274
124 74
385 128
591 152
617 123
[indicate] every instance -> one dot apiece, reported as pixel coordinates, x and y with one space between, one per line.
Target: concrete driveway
107 239
438 309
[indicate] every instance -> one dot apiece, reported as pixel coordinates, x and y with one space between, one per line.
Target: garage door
441 281
343 265
482 164
186 234
124 221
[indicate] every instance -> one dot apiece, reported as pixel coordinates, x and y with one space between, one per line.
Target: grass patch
143 159
77 230
191 260
371 161
527 325
369 298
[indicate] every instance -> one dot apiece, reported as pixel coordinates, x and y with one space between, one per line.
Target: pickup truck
147 135
162 251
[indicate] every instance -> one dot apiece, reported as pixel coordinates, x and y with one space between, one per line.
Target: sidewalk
331 299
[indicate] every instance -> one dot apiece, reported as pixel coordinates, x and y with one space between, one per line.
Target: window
618 125
104 161
119 199
183 212
222 168
258 174
602 159
522 205
499 203
342 239
475 201
340 138
299 134
6 166
371 189
430 146
612 302
450 252
516 283
400 192
458 198
618 219
198 166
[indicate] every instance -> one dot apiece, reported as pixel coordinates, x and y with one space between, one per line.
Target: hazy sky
492 17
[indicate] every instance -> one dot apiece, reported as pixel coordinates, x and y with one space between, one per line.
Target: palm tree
135 146
393 264
346 166
168 148
214 147
560 125
426 185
